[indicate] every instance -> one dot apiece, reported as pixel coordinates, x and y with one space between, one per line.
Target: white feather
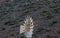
29 33
22 29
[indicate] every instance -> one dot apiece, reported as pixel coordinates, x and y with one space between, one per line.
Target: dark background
45 13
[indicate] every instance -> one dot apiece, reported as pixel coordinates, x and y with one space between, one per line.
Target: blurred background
45 13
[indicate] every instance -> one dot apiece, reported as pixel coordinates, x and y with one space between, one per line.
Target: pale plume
27 27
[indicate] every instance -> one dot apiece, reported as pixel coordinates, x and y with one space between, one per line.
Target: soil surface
45 13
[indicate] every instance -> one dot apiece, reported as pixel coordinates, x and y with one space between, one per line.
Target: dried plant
27 27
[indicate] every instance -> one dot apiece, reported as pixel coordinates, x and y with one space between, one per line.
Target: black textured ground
46 15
